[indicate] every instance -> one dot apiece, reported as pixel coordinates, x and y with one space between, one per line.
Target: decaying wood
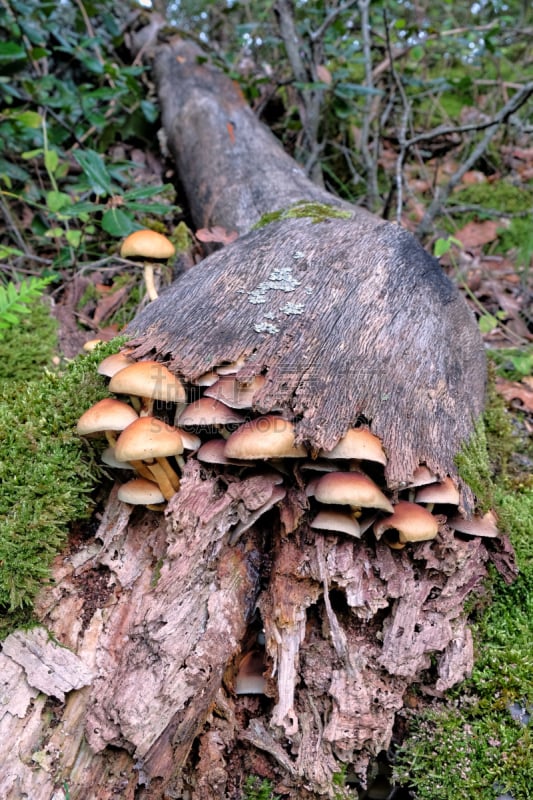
345 317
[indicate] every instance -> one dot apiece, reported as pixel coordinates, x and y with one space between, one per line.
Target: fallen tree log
347 320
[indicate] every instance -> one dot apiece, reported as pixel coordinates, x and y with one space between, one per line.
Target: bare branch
518 100
368 159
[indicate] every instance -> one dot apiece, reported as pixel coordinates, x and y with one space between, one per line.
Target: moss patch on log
47 474
316 212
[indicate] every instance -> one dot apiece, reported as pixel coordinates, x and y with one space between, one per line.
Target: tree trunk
348 320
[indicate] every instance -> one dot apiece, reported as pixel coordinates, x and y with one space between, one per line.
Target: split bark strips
157 609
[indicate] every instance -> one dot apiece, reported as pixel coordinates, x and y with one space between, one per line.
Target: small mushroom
337 522
108 458
148 247
444 493
358 444
206 379
149 380
413 523
234 393
264 437
351 489
421 477
278 493
150 440
486 525
142 492
250 678
212 452
209 413
106 417
114 363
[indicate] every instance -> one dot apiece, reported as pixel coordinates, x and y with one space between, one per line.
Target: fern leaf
16 299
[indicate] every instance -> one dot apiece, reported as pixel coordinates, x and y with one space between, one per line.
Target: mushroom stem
111 437
162 472
149 282
142 469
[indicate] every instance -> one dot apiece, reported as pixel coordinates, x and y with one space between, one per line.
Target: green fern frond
15 300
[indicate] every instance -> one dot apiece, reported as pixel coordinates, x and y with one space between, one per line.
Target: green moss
28 347
257 789
317 212
47 473
471 746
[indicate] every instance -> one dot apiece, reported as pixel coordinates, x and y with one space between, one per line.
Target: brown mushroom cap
357 443
140 491
147 244
233 393
351 489
108 457
148 438
206 412
148 379
249 678
486 525
445 492
264 437
106 415
213 452
336 521
114 363
421 477
414 523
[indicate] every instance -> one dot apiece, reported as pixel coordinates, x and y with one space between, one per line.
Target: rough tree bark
131 695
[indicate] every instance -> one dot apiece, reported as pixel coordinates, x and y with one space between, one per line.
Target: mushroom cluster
159 421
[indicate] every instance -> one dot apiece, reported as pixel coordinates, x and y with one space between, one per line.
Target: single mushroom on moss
413 523
151 441
151 381
148 247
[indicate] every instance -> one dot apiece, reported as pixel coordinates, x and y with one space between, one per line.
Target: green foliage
513 363
47 473
257 789
498 196
64 99
15 301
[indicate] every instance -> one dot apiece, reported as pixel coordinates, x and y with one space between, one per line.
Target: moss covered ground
478 743
47 474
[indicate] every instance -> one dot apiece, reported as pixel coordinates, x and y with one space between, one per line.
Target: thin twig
368 159
404 122
443 192
330 19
